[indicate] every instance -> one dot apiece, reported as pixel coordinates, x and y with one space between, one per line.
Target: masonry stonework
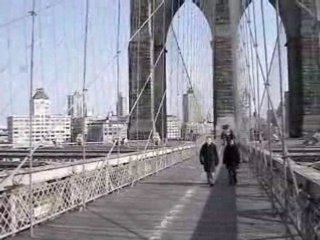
303 64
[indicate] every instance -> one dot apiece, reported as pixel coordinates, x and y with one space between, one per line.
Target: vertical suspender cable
42 73
138 72
151 42
284 154
267 86
171 80
266 61
254 66
84 105
248 66
253 87
164 110
283 124
118 53
119 107
179 112
281 85
33 15
252 73
257 69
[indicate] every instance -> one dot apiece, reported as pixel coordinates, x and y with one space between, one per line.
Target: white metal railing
54 196
301 209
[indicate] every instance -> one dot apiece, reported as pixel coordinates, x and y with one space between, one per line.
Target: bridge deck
175 204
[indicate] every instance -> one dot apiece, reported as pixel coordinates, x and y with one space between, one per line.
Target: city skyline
59 53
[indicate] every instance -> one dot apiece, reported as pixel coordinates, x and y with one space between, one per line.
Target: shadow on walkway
219 217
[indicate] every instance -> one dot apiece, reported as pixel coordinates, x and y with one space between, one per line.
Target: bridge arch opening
262 61
219 15
189 72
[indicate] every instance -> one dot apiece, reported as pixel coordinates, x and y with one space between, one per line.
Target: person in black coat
226 136
231 159
209 159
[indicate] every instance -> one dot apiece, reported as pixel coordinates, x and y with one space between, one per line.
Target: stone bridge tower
303 62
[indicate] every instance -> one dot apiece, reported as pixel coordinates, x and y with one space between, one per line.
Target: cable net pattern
298 209
263 94
53 198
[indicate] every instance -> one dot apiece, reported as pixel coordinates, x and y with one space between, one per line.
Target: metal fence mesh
56 197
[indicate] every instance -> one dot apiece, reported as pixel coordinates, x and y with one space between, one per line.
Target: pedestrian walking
231 159
209 159
227 135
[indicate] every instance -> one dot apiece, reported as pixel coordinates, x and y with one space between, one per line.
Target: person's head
209 139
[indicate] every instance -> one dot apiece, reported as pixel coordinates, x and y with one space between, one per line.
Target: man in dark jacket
209 159
227 135
231 159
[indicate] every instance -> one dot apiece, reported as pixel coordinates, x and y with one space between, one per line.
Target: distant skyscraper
173 127
191 111
121 106
107 130
40 103
46 128
75 108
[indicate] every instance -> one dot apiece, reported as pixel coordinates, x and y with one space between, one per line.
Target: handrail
303 208
66 187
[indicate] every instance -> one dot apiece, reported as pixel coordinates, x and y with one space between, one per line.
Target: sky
274 63
58 61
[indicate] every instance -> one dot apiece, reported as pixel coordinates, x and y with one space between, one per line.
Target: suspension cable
185 66
284 146
151 52
255 41
33 15
84 105
38 11
119 107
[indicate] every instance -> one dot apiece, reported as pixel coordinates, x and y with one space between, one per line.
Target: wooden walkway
174 204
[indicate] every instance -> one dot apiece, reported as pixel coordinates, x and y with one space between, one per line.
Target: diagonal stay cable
16 170
13 173
15 20
184 65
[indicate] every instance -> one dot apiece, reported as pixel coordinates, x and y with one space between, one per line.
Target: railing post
13 212
306 221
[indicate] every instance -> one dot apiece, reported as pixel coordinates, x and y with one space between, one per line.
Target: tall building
191 111
77 125
41 103
75 107
173 127
3 135
121 106
189 130
46 128
107 130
